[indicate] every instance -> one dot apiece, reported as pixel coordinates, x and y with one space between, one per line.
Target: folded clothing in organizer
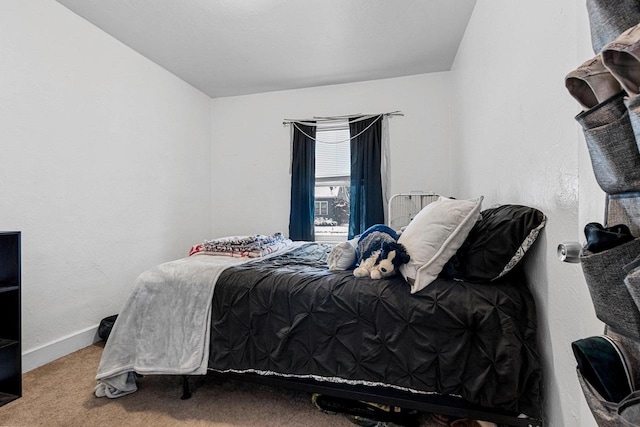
242 246
604 365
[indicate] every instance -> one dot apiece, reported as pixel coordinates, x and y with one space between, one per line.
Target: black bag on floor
106 324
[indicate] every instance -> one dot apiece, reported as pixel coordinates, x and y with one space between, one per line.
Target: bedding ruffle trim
320 378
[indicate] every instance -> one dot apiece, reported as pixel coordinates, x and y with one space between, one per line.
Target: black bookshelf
10 332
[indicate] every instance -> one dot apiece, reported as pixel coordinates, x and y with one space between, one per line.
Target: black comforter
289 315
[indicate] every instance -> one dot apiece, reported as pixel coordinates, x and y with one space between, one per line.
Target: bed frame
432 403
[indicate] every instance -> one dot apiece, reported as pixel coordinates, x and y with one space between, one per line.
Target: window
322 208
337 167
333 174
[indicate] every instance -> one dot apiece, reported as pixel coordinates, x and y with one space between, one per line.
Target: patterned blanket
242 246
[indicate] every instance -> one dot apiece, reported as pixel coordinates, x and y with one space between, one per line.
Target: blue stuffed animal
378 253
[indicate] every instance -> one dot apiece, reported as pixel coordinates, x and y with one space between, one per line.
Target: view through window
333 172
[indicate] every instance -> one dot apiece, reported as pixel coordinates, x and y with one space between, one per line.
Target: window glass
333 172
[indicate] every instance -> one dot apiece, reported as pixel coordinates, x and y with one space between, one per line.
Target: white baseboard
56 349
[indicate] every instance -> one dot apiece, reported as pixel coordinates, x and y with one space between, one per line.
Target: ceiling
238 47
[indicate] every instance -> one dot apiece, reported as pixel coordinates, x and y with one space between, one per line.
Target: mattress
289 316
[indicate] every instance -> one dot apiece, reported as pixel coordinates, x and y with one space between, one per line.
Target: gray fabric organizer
616 300
617 305
611 128
624 208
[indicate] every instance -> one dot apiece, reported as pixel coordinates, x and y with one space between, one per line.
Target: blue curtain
367 205
303 181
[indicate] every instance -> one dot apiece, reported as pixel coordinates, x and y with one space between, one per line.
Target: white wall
108 166
518 142
105 169
251 147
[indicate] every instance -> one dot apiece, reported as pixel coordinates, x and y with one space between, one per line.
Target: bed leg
186 393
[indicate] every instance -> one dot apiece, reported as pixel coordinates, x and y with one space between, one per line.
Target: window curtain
303 171
367 201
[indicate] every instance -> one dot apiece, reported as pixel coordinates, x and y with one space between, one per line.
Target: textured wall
518 143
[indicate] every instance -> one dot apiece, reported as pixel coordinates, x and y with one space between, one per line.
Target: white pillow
343 255
434 236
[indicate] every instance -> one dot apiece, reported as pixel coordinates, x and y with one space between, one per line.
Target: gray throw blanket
163 327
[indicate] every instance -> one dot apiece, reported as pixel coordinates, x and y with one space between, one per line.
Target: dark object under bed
457 348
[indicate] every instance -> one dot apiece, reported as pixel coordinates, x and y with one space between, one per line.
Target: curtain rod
336 118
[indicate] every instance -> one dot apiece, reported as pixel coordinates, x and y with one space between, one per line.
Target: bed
462 345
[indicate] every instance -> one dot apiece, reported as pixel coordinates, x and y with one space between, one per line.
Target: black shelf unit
10 329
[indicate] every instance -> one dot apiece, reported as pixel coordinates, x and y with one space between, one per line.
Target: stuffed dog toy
378 253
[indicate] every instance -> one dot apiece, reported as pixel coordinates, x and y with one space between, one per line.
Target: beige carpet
61 394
